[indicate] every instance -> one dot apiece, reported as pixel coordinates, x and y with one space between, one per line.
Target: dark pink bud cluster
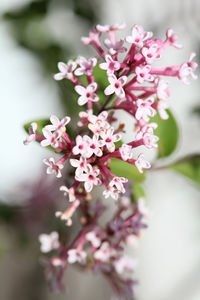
137 87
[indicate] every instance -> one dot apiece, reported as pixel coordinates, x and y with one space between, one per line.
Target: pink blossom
87 93
32 131
81 165
124 264
107 28
54 168
111 192
138 36
132 240
146 129
187 70
110 65
150 140
49 242
116 86
110 138
97 123
50 138
145 109
58 262
58 125
76 255
81 146
172 38
93 38
68 213
89 178
84 116
117 182
161 107
70 192
94 145
66 70
125 152
93 238
162 89
143 74
114 48
141 163
105 252
151 53
86 66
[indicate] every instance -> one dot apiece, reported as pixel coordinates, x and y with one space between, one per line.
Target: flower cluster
136 86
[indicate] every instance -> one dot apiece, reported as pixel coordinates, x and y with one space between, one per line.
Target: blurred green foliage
168 134
189 167
123 169
30 32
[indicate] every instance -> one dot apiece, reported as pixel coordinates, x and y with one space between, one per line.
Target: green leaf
101 78
168 134
123 169
138 192
189 167
118 144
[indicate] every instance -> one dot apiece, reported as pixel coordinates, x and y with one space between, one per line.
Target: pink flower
107 28
89 146
49 242
187 70
116 86
97 123
151 53
110 65
84 116
114 48
76 255
150 140
51 138
87 93
148 128
172 38
58 262
125 152
138 36
93 38
124 264
117 182
141 163
68 213
162 89
94 145
66 70
143 74
111 192
54 168
32 131
110 138
70 192
89 178
58 125
105 252
144 109
162 106
80 165
81 146
86 66
93 238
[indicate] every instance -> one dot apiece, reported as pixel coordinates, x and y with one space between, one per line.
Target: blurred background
35 35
